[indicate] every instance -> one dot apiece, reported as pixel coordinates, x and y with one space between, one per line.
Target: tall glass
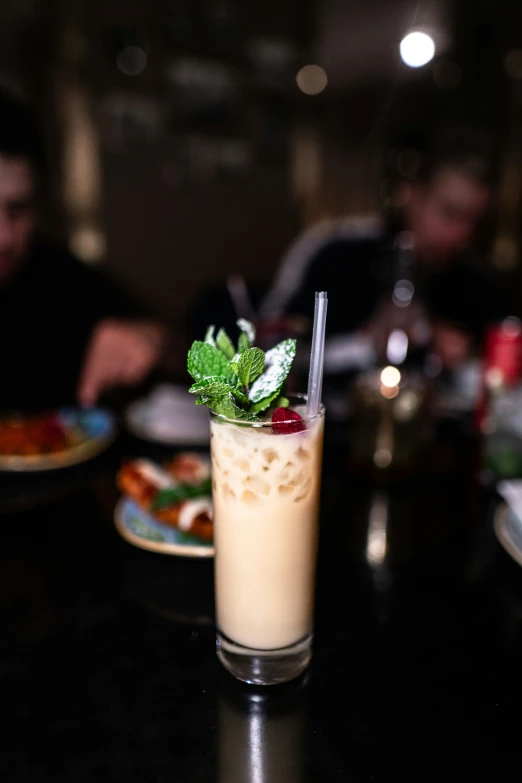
266 488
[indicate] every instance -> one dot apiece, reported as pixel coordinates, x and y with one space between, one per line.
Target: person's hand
120 353
451 344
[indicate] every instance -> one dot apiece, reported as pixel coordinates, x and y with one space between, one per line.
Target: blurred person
67 334
355 261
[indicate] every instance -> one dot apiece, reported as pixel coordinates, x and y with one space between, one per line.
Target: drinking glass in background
266 488
392 420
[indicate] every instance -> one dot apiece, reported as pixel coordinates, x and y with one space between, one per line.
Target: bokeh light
403 293
131 60
511 326
390 377
397 346
88 244
382 458
311 79
417 49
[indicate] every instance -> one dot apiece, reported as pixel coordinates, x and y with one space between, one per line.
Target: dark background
180 148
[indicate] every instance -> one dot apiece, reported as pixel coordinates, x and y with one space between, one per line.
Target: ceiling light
417 49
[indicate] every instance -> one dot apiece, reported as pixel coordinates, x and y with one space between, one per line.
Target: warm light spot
417 49
406 406
376 544
311 79
390 377
389 393
494 378
88 244
382 458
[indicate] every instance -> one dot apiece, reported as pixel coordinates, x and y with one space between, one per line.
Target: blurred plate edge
502 533
165 548
135 425
74 456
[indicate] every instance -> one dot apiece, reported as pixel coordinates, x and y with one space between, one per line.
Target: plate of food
167 508
168 415
55 439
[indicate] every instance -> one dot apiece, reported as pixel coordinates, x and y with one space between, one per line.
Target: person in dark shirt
68 336
356 263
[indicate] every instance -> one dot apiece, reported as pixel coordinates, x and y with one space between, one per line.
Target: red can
503 354
501 367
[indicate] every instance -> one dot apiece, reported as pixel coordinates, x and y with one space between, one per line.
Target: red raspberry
285 421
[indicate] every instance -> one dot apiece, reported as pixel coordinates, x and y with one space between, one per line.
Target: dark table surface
107 652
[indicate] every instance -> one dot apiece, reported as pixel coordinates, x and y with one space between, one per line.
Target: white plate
508 530
169 415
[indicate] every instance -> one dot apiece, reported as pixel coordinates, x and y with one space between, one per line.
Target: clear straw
315 379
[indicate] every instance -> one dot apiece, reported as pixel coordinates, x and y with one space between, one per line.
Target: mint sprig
205 360
224 343
249 366
278 362
218 386
209 335
239 384
248 333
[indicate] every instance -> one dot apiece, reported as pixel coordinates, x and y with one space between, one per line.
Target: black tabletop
107 652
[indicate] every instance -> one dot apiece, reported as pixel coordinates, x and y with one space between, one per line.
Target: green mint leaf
250 365
225 405
224 343
171 496
217 386
266 402
247 329
278 362
281 402
209 336
243 343
204 361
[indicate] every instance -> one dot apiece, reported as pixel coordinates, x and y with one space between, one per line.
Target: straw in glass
315 378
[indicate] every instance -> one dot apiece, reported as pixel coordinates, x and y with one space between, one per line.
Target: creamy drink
266 494
266 477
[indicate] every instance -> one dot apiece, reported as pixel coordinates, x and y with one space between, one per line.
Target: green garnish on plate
171 496
239 383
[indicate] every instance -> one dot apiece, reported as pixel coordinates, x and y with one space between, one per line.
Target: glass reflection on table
263 733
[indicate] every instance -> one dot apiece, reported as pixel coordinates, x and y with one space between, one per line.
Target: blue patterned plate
94 430
142 530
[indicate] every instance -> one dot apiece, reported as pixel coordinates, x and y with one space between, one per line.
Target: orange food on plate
35 435
178 495
189 468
